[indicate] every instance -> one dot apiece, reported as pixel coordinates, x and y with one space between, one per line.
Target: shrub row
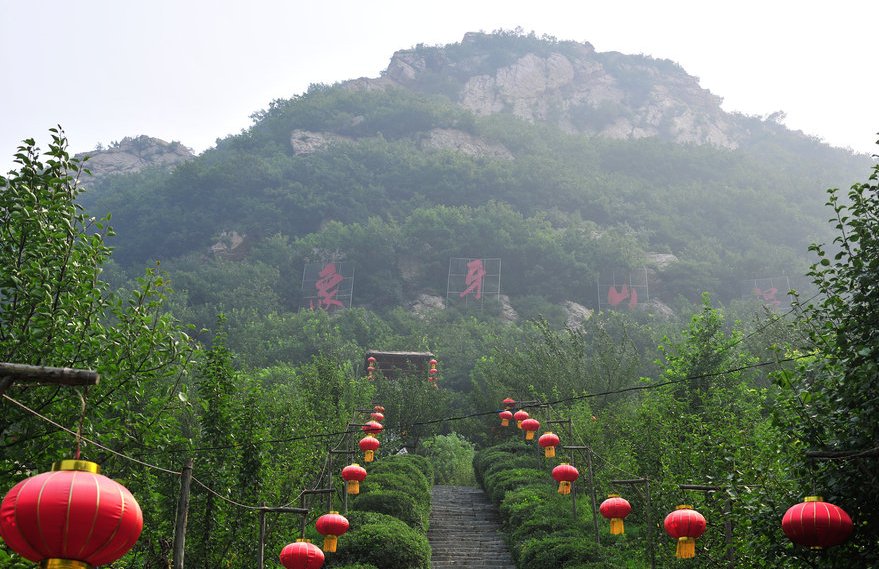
389 517
539 524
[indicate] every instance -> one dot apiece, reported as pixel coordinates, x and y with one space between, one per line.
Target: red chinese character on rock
473 280
615 297
327 286
768 296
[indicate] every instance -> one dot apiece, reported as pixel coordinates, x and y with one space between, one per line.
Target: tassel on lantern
549 452
353 487
686 548
617 526
564 487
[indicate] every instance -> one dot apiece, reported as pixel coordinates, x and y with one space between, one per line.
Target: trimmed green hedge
394 503
383 541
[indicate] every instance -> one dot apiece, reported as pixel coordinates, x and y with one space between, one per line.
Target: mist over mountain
565 163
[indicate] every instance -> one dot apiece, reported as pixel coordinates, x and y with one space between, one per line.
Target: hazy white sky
194 70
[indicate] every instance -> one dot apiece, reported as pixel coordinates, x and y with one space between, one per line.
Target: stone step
465 530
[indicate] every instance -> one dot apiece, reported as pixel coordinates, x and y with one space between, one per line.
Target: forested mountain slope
563 162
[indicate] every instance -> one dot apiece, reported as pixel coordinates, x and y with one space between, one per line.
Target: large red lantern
505 417
72 517
509 403
615 509
520 416
548 441
377 417
685 524
564 474
369 444
372 427
353 474
816 524
302 555
331 526
530 426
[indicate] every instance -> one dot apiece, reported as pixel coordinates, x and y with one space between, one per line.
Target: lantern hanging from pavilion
372 427
520 416
615 509
565 474
816 524
369 444
505 417
377 417
331 526
530 426
302 555
353 474
685 524
509 403
72 517
370 367
548 441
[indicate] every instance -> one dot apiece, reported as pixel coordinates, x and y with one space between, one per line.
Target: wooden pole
648 514
262 527
594 499
23 373
182 514
727 519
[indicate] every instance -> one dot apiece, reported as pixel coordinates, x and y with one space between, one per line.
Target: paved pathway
465 530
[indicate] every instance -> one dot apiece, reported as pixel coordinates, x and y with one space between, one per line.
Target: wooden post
10 372
727 519
348 454
648 514
262 527
591 483
182 514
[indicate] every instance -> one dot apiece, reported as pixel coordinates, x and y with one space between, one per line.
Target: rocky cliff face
568 84
133 154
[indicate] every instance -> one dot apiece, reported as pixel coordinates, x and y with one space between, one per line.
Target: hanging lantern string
87 440
82 397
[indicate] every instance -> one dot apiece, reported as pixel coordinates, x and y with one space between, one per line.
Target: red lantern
370 367
505 418
433 370
376 416
520 416
509 403
816 524
615 509
548 441
530 426
72 517
369 444
372 427
378 409
353 474
302 555
685 524
564 474
331 526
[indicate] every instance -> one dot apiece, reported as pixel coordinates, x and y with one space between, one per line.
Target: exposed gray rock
309 142
465 143
426 303
131 155
659 261
576 313
657 307
508 313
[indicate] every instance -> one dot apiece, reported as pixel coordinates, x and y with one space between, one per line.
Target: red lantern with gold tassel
331 526
369 444
548 441
70 518
505 417
377 417
615 509
353 474
372 427
520 416
685 524
378 409
530 426
816 524
302 555
564 474
509 403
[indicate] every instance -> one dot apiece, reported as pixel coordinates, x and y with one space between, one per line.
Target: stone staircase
465 530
